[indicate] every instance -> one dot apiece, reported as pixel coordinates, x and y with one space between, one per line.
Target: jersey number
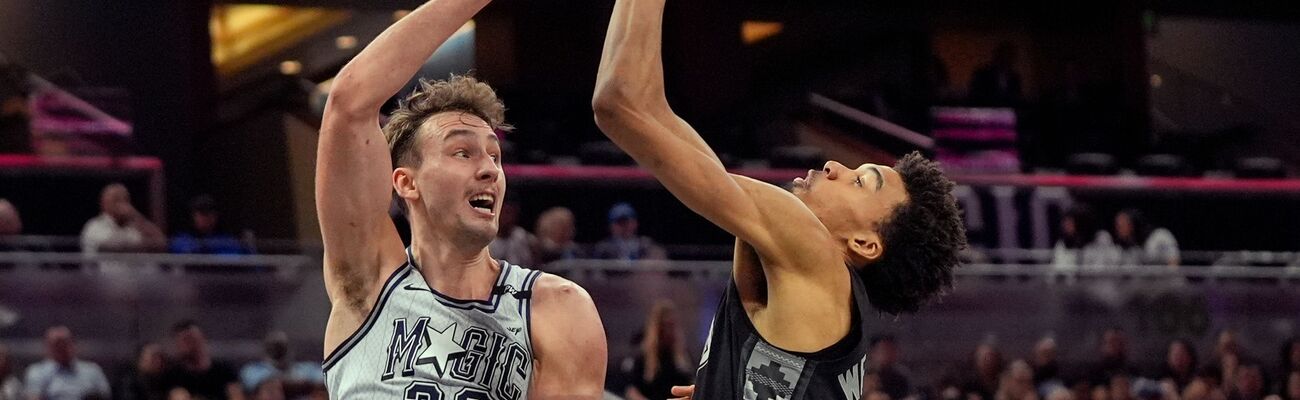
424 390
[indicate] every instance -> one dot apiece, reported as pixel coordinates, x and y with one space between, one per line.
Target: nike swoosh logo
410 287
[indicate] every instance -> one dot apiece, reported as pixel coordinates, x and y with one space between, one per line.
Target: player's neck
457 272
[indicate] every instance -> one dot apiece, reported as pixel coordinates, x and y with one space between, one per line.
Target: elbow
609 106
347 98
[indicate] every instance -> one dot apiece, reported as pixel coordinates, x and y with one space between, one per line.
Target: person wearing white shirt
119 228
61 375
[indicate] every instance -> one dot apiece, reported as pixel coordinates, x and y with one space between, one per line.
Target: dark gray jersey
738 364
420 344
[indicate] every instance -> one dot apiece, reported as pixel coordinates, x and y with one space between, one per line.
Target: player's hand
684 391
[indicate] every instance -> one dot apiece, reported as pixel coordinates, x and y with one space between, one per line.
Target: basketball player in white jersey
441 319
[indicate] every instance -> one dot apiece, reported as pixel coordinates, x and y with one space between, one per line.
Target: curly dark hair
922 238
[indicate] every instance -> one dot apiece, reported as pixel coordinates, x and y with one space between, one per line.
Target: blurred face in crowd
1120 388
884 353
1114 345
1179 358
10 222
853 203
59 346
1123 227
1227 344
623 228
1250 382
1045 352
115 201
556 225
277 346
987 360
204 221
191 344
150 361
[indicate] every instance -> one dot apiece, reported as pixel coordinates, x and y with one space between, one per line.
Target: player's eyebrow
880 180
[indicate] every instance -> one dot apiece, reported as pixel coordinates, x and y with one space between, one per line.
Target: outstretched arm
631 108
354 169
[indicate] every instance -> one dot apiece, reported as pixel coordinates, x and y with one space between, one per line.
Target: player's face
460 181
851 200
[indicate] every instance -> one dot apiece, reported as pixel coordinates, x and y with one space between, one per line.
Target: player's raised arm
354 169
631 108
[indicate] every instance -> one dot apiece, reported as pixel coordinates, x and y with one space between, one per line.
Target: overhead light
397 15
756 31
346 42
1157 81
290 67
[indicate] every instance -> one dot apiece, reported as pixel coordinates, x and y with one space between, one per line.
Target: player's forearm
630 83
631 66
384 66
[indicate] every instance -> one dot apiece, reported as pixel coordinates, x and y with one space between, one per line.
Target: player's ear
865 247
404 183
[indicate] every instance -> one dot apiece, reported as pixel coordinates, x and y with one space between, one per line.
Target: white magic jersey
418 344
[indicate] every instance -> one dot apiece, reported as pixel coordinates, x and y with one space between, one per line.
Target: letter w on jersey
433 346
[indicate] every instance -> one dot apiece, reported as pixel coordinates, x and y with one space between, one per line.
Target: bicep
569 343
353 191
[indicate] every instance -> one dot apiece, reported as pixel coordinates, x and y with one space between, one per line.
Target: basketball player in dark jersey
441 319
809 263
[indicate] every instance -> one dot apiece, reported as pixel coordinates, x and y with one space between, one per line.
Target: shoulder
89 367
551 290
41 368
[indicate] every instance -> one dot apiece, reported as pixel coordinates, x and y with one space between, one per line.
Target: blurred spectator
513 243
145 380
1017 382
894 378
661 362
1114 357
1047 369
10 222
1143 244
61 376
1120 387
1082 243
10 387
10 225
623 242
555 232
268 387
205 236
1227 358
1249 383
1180 364
1290 388
997 83
119 227
1203 388
277 370
195 370
982 377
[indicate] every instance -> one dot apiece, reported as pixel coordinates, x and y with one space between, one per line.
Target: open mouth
483 203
